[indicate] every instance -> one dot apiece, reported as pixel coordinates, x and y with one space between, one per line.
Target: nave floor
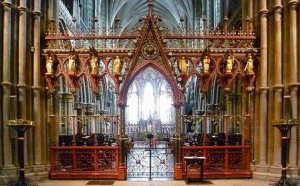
217 182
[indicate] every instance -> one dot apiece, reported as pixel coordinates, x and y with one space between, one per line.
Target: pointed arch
174 88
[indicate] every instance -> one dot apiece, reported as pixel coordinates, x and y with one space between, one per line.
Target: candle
287 107
13 107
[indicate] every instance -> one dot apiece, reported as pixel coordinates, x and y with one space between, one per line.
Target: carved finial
150 5
225 25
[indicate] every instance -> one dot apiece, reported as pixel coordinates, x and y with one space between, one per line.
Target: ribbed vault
170 11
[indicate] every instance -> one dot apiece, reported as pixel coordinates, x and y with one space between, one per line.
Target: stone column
250 9
38 130
6 83
23 66
122 169
75 8
263 89
225 8
250 15
293 78
178 141
278 86
52 12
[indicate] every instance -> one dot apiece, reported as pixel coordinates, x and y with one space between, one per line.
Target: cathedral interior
121 89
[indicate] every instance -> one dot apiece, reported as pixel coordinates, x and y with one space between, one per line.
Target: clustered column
277 86
293 78
38 132
263 85
6 83
23 66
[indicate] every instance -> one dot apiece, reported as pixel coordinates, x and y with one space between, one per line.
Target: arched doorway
150 123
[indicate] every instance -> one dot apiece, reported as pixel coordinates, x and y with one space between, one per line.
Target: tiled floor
231 182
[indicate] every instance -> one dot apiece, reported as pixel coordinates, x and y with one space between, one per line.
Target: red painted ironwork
150 45
221 161
84 162
217 43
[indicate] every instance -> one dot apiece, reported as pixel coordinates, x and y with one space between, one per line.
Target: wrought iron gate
150 160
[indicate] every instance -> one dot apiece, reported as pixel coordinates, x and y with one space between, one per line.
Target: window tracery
152 94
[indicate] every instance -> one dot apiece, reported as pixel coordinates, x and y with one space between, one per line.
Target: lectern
21 125
192 162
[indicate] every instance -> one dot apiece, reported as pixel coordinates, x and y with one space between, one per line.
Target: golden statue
182 65
117 66
229 64
49 65
71 65
94 65
206 63
249 66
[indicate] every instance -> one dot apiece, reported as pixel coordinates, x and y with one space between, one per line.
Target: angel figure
49 65
94 65
249 66
206 64
182 66
117 66
71 65
229 64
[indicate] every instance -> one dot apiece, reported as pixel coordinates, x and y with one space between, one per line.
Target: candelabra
284 125
21 125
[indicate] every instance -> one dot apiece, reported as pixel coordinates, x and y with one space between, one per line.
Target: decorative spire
150 5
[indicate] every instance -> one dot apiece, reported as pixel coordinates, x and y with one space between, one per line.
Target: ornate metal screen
150 160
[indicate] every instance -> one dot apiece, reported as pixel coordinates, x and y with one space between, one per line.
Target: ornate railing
84 162
221 161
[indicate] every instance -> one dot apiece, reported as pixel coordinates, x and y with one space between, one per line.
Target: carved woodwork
84 162
222 161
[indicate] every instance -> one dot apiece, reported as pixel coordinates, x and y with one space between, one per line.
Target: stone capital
6 84
36 87
122 103
23 9
7 5
278 7
278 87
263 89
21 85
293 3
293 85
36 13
263 12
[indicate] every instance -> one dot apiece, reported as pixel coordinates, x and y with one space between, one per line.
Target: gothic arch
155 66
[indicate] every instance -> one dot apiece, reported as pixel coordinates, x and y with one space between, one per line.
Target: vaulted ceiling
186 13
170 11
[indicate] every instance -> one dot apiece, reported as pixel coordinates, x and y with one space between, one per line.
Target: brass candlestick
21 125
284 125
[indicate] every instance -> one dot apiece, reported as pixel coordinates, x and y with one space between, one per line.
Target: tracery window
148 101
149 98
133 103
165 102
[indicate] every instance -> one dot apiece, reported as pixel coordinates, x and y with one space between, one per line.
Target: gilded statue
117 66
182 65
206 64
229 64
49 65
249 66
94 65
71 65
